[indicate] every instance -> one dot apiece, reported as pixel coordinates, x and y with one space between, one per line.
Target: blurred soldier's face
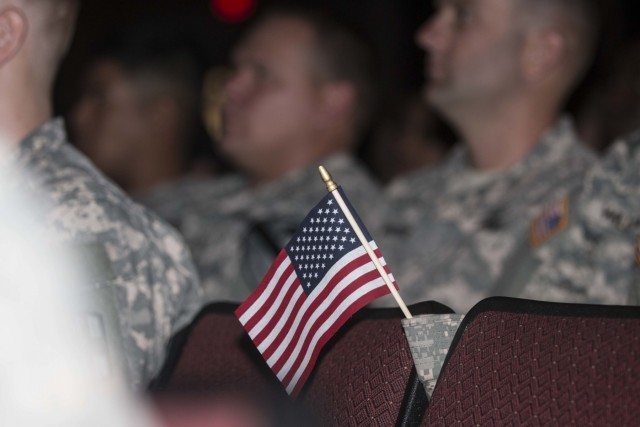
271 99
109 121
474 52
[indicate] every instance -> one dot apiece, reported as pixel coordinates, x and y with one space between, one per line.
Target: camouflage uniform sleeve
156 288
594 260
180 274
168 294
575 265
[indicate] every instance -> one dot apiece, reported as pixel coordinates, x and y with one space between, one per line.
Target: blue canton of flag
323 237
320 279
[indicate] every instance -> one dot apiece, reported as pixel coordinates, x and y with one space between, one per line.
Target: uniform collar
553 144
50 135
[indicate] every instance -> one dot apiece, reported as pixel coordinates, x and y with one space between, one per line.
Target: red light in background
233 10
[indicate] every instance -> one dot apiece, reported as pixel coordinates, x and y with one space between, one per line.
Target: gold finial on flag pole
328 180
331 188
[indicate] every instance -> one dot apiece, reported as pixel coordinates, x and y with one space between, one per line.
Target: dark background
389 24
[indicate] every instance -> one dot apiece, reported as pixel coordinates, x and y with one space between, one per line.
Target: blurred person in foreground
151 280
138 113
52 371
300 96
499 71
226 408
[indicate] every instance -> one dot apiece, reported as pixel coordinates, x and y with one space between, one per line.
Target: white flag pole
332 187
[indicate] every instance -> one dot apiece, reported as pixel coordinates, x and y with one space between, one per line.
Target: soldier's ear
544 54
339 98
13 31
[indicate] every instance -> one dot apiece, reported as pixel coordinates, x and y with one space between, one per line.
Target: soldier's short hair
162 61
342 53
580 17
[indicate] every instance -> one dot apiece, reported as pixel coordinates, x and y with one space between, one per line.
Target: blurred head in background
495 59
302 89
138 116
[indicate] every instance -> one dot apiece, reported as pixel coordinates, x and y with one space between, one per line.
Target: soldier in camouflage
499 72
244 228
146 279
283 116
593 257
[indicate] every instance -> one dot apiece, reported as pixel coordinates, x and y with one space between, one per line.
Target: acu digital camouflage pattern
155 285
171 200
595 259
235 231
430 337
450 231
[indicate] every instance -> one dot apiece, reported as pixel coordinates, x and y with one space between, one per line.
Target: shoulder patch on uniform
553 219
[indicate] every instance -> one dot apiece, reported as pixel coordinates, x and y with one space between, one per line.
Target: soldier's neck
502 139
18 119
277 167
153 171
262 178
298 156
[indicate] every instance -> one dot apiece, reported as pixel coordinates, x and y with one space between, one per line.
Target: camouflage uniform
235 231
452 229
594 258
154 282
171 200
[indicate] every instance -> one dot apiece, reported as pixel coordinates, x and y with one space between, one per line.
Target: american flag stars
325 235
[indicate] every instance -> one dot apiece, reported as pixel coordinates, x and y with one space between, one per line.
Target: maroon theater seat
520 362
365 375
214 353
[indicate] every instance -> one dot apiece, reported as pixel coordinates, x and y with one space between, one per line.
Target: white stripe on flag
259 302
345 260
335 316
264 344
285 344
321 309
268 316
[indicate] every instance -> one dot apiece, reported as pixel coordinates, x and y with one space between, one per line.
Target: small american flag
320 279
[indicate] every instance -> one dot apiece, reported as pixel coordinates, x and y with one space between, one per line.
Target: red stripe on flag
319 299
244 307
278 315
268 352
304 345
363 301
299 330
270 302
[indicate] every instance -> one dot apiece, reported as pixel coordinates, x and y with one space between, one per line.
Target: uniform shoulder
418 181
173 200
623 154
85 204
